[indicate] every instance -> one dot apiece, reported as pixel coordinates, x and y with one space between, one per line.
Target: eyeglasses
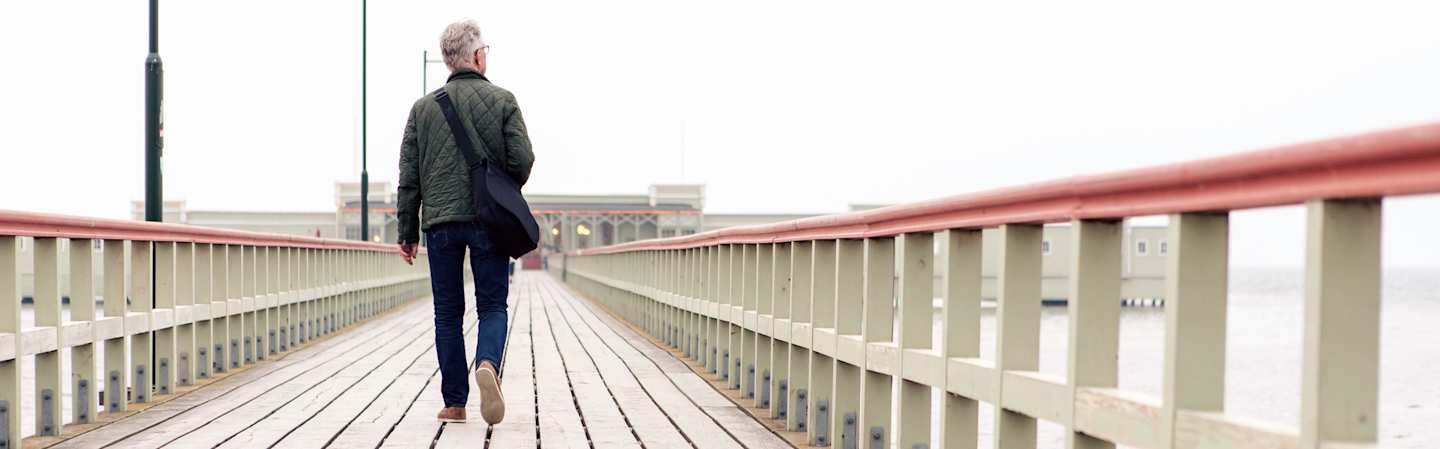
484 48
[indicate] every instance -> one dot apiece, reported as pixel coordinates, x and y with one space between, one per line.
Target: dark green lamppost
154 133
154 120
364 171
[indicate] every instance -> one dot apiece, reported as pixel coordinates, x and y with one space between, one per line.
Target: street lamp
364 171
154 120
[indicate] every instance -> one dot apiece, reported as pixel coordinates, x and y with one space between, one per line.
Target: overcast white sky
796 106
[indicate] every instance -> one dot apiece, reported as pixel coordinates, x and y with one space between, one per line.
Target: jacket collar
465 74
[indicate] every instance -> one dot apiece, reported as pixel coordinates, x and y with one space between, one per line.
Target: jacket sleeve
519 158
409 186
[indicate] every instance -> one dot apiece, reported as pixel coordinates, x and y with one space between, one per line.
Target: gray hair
459 42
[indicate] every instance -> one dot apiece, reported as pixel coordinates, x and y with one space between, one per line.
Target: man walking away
434 176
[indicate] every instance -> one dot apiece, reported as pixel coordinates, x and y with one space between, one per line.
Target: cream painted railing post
686 291
303 290
849 341
254 307
47 314
674 281
917 318
735 332
82 311
117 374
1017 326
960 332
265 302
820 429
236 303
745 356
1340 384
694 314
644 306
273 305
1195 306
659 271
185 316
222 326
1094 307
764 300
706 332
11 370
662 284
780 332
801 267
286 274
205 311
141 291
164 333
878 331
723 329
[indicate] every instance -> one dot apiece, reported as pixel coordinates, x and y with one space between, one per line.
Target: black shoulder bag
495 196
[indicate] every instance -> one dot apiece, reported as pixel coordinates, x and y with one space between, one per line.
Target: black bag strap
462 138
457 129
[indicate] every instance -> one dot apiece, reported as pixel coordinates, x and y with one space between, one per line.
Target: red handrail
52 225
1402 161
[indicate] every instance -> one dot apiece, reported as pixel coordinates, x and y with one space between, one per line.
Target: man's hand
407 252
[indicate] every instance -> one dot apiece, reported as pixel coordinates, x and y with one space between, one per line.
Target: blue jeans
447 243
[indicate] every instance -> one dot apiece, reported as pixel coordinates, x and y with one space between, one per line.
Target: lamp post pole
154 120
154 135
364 170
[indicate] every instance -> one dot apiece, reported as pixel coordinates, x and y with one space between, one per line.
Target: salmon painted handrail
817 321
1395 162
169 306
67 226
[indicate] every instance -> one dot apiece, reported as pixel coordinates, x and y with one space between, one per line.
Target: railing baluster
820 427
763 293
116 374
10 366
917 318
164 332
960 334
1017 326
849 342
1195 306
47 315
185 321
82 310
253 295
1094 308
878 328
723 328
801 272
745 356
139 321
706 331
222 309
1341 368
779 329
206 309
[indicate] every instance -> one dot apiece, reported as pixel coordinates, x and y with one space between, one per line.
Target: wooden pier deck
574 378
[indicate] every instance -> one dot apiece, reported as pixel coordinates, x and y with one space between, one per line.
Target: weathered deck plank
574 378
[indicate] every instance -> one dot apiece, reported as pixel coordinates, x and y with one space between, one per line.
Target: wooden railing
801 316
221 300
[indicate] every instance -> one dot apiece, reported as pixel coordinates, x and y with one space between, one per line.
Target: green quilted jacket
434 182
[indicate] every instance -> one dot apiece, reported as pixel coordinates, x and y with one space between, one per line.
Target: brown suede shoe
451 414
492 403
